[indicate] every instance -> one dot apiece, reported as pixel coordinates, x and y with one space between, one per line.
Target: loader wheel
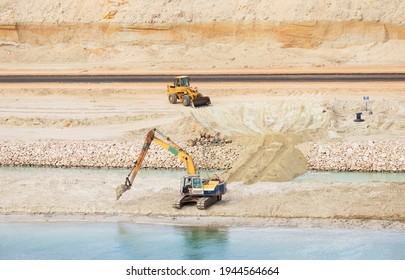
186 100
173 98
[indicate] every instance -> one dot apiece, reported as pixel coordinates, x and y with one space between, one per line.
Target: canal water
121 241
351 177
310 176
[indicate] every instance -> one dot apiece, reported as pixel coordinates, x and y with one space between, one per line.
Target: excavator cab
192 185
182 90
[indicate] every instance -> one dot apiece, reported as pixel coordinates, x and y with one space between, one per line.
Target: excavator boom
137 165
167 144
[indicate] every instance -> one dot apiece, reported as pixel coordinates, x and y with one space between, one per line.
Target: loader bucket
201 101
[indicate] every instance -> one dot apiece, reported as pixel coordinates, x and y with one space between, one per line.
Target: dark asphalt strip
338 77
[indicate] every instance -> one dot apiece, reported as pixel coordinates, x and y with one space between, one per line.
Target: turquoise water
67 172
311 176
350 177
120 241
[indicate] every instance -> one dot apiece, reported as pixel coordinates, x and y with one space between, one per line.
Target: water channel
120 241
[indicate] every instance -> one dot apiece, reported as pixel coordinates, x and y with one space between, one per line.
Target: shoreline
207 221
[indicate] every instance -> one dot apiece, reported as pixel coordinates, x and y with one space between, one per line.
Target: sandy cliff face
209 34
185 11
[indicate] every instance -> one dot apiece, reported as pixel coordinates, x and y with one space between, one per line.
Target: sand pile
206 139
270 158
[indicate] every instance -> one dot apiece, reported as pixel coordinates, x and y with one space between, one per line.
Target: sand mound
261 118
275 134
269 133
270 158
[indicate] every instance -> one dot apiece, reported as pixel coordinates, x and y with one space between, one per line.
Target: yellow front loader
181 90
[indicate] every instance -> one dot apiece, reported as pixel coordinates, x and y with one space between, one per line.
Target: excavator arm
177 151
166 144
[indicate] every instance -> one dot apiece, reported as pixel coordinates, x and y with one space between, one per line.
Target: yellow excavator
204 192
181 90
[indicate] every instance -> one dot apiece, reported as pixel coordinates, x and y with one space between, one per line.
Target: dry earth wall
211 34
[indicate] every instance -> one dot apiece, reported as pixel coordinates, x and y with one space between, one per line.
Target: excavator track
202 202
177 204
205 202
183 200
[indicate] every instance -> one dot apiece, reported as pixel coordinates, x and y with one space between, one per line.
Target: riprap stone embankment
370 156
110 154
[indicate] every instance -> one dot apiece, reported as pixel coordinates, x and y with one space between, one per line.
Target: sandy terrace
80 195
275 124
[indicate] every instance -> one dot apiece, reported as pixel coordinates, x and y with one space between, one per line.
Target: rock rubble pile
111 154
388 156
206 138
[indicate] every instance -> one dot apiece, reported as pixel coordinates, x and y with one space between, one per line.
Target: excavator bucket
120 190
201 101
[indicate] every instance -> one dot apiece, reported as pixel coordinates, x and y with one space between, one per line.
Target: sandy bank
82 195
207 221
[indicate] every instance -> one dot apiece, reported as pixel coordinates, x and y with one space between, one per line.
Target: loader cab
182 81
191 185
